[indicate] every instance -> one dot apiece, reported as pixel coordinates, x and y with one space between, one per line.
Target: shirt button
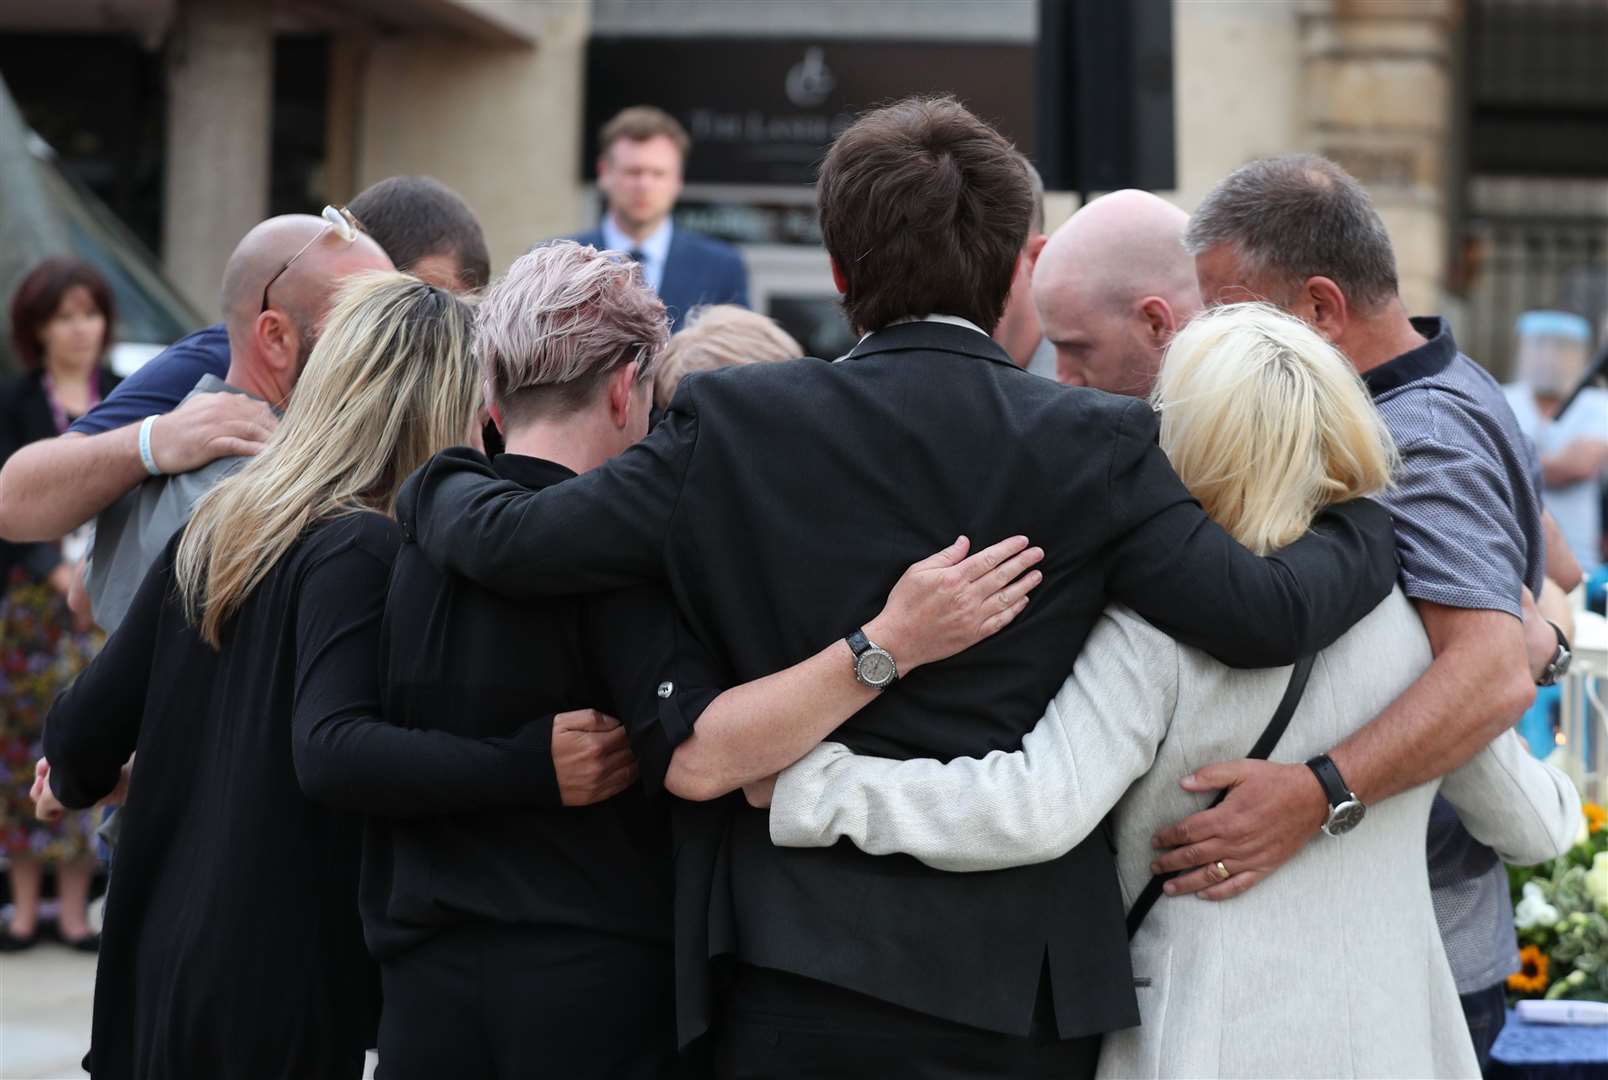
666 689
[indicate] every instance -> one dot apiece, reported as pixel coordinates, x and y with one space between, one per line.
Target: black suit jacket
24 418
782 501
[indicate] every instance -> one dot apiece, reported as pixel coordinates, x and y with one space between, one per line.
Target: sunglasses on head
336 218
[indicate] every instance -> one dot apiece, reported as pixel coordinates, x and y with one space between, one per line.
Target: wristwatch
873 665
1345 809
1559 666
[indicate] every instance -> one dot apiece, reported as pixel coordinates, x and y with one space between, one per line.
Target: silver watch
1559 665
873 665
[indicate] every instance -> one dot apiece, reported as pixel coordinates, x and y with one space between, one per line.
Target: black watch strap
1558 666
1334 785
858 642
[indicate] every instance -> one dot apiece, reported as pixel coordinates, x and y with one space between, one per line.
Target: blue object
1562 324
1548 1052
161 383
1597 590
1538 726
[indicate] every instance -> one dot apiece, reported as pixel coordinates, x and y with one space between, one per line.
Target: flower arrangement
1561 911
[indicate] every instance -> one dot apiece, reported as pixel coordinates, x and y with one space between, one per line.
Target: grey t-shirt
1468 533
131 533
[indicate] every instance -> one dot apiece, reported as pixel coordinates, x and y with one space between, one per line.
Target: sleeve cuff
799 815
1455 596
535 743
678 713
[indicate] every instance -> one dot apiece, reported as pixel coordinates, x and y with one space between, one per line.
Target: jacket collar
933 336
1434 356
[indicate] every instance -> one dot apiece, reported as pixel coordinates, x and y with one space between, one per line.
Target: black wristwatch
1345 809
1559 666
873 665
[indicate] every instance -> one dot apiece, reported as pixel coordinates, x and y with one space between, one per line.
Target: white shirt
655 248
1577 507
952 320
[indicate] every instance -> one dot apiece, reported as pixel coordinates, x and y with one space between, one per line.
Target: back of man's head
427 229
924 208
1295 217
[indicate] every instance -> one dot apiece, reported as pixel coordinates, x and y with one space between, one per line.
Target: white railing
1583 717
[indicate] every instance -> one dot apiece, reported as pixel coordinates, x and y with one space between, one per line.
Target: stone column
220 97
1379 93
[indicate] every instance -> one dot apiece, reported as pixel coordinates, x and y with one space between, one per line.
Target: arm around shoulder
604 530
1183 572
1011 808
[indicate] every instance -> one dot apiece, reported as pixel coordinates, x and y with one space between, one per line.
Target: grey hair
1299 216
559 322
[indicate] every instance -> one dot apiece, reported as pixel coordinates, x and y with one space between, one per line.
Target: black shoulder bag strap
1264 746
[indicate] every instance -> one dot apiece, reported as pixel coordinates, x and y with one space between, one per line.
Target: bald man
51 487
1111 287
277 288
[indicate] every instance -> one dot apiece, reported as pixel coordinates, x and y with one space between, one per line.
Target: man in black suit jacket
640 155
781 501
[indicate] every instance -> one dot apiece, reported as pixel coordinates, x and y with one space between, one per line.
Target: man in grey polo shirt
277 287
1301 233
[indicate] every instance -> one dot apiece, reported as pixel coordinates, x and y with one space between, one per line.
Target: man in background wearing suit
640 154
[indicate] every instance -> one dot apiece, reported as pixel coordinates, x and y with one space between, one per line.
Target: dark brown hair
412 217
37 298
923 209
643 122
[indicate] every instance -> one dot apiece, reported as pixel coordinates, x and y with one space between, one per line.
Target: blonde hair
561 319
389 383
717 336
1266 423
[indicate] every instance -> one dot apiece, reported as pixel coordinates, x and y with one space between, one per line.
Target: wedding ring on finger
1222 871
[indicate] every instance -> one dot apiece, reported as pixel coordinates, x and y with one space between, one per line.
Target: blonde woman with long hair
247 677
1333 967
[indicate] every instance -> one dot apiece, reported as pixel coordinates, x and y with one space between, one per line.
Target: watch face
875 668
1345 817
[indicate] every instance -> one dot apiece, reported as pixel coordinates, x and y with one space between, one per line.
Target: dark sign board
764 111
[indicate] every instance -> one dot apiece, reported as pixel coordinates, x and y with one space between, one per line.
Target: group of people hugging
759 716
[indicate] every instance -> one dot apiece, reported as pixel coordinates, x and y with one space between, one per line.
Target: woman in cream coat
1333 967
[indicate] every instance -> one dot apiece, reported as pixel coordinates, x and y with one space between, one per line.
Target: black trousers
1486 1013
778 1025
517 1002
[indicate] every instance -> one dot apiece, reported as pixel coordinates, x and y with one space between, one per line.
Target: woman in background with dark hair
61 327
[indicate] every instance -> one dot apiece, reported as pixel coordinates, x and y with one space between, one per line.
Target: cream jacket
1333 966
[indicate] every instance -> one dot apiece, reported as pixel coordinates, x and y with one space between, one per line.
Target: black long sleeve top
463 660
232 944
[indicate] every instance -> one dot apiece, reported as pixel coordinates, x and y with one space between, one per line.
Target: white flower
1597 880
1534 910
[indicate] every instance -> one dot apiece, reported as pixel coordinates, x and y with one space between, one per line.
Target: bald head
1111 287
268 348
303 291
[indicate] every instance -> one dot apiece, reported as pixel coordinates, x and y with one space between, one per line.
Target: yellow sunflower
1596 817
1531 978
